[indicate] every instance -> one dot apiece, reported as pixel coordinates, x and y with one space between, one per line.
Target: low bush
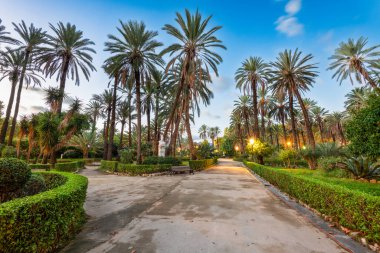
108 165
8 152
126 155
162 160
133 169
354 209
14 173
46 221
69 166
34 185
40 166
52 180
202 164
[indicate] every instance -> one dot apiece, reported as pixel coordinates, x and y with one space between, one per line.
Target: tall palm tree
243 107
32 134
217 132
84 141
12 67
355 58
195 53
336 119
253 72
22 132
148 103
158 82
203 132
52 97
280 111
293 74
93 109
265 103
136 52
356 99
31 41
4 38
68 54
319 115
122 115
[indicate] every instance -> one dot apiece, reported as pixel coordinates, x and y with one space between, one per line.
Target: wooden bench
181 169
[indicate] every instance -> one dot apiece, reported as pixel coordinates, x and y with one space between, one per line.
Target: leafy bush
204 150
44 222
13 174
69 166
40 166
8 152
329 149
259 150
286 156
202 164
108 165
355 210
162 160
361 167
126 155
133 169
52 180
34 185
328 164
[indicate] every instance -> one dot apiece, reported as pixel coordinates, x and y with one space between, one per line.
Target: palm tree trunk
321 130
105 135
256 132
309 130
130 121
366 76
173 139
188 130
121 134
156 137
94 118
148 122
62 83
138 109
30 145
284 129
113 118
21 83
292 120
4 127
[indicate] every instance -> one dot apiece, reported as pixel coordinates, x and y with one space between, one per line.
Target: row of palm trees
141 82
209 132
272 103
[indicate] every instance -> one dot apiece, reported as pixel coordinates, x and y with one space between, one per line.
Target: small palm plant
361 167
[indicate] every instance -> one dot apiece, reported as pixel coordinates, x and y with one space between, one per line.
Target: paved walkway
222 209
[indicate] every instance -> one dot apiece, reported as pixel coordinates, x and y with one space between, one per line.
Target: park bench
181 169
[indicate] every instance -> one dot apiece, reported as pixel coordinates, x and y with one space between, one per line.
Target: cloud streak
289 24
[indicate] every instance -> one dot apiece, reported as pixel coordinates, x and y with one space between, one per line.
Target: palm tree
158 82
122 115
265 103
31 40
136 52
280 111
12 67
32 134
243 107
195 53
217 132
84 141
68 54
148 103
293 74
319 115
52 97
4 38
253 72
93 109
203 132
336 119
354 58
2 106
356 99
23 131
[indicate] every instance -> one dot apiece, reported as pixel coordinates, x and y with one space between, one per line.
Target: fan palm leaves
85 141
353 60
203 132
4 38
319 114
356 99
67 55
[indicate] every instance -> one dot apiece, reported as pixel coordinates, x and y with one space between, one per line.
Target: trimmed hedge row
133 169
202 164
46 221
40 166
70 166
162 160
355 210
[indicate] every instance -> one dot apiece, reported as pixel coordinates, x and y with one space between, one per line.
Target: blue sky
250 28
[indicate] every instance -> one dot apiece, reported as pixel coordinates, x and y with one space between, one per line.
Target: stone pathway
222 209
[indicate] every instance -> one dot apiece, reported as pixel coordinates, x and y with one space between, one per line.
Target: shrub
328 164
353 209
69 166
44 222
286 156
13 174
73 153
204 150
34 185
126 155
202 164
8 152
108 165
52 180
162 160
329 149
40 166
361 167
133 169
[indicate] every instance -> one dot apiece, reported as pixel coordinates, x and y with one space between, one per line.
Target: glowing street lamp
236 148
289 143
251 141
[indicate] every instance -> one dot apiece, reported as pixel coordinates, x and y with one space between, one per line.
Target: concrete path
222 209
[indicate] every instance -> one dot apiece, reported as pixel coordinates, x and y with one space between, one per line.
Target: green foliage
14 173
8 152
363 129
227 146
52 180
108 165
361 167
34 185
287 155
44 222
204 150
259 149
328 164
134 169
329 149
202 164
73 153
163 160
126 155
70 166
336 198
40 166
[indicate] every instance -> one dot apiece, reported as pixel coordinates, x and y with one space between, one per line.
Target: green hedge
69 166
40 166
46 221
202 164
108 165
133 169
162 160
353 209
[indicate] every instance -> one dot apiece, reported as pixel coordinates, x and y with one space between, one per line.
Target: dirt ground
222 209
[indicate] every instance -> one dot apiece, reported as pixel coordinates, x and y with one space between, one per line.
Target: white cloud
293 7
326 37
289 25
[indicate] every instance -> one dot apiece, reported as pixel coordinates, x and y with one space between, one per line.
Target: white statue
161 147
